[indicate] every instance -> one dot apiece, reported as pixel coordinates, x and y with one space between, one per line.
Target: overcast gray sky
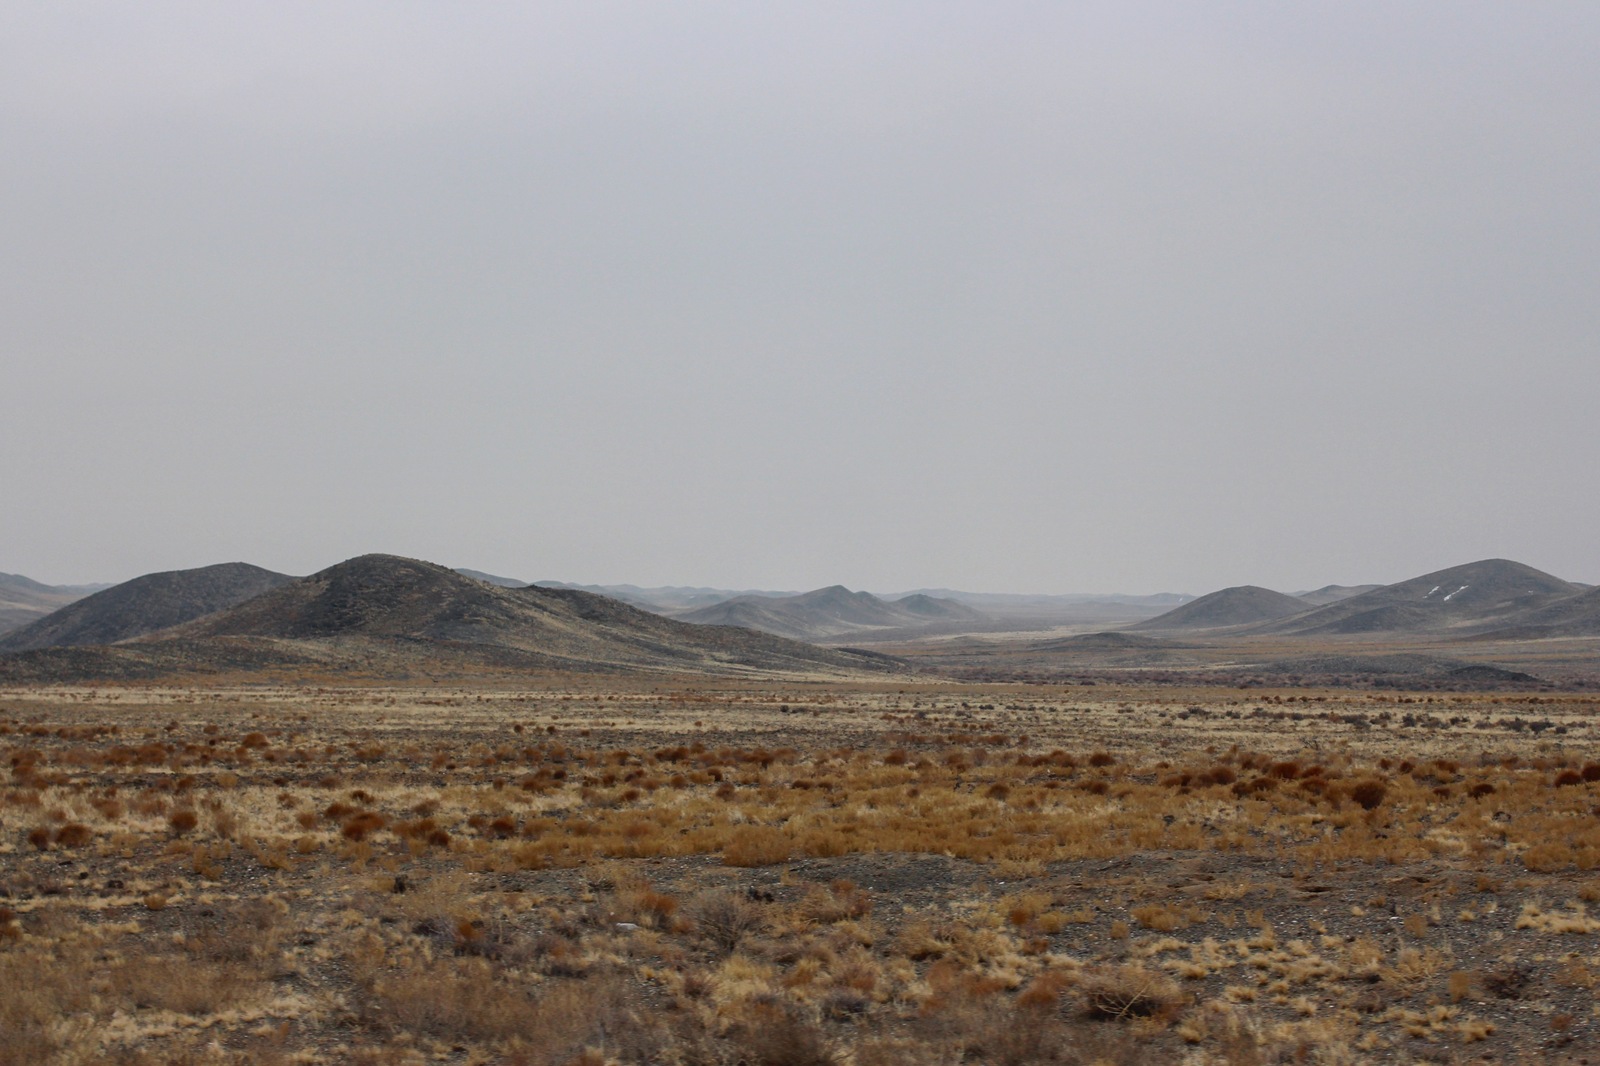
999 296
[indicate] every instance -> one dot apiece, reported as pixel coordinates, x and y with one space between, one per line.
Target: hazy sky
1000 296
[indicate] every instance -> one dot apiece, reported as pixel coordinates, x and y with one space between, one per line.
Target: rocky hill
1240 605
832 613
384 616
144 605
1489 594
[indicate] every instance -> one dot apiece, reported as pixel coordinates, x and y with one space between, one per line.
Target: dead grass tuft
1117 993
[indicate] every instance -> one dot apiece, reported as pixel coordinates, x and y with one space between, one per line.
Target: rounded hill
144 605
1240 605
1473 596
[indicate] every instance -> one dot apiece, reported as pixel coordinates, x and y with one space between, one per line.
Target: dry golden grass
654 872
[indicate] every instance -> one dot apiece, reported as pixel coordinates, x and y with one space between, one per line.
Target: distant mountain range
833 612
1332 593
1004 611
389 617
1489 598
670 600
23 600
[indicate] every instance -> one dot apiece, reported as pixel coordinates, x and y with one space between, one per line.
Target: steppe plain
574 869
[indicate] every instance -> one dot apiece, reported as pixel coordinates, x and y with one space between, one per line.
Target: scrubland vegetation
797 874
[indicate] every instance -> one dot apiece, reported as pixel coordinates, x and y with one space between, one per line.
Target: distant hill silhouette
1240 605
382 615
1491 593
24 600
671 600
831 612
1333 594
144 605
493 579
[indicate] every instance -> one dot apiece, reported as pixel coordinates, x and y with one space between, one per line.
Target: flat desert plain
589 871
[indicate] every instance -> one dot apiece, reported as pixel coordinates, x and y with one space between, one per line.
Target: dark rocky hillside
381 615
1492 593
144 605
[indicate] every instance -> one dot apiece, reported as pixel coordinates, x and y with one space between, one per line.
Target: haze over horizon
1127 298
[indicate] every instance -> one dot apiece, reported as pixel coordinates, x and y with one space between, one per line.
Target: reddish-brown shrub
360 825
1043 992
74 835
1369 794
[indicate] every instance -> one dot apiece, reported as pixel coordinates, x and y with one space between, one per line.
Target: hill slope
382 615
1572 616
1240 605
144 605
831 612
1487 594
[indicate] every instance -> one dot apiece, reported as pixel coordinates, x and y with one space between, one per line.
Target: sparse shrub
74 835
1158 917
1116 993
659 904
182 820
1043 992
1369 794
726 918
756 846
780 1035
360 826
